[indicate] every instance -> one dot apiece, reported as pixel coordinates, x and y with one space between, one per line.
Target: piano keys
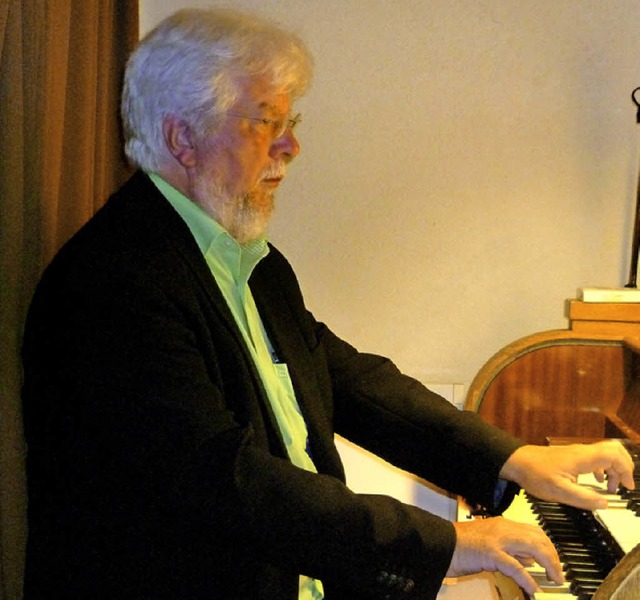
590 545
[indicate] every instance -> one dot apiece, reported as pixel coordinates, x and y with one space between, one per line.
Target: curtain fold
61 67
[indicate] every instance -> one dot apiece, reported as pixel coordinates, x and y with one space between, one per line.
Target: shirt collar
213 240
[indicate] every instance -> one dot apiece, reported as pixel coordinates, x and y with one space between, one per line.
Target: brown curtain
61 64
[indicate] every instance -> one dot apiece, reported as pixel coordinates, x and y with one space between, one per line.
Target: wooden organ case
583 382
579 384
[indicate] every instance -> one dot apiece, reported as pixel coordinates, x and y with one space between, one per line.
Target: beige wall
466 166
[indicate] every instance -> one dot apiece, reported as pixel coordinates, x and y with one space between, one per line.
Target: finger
511 567
552 567
547 557
613 482
588 500
617 476
625 477
525 561
628 482
579 496
614 458
534 546
599 475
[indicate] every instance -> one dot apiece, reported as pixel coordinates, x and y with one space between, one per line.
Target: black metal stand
635 244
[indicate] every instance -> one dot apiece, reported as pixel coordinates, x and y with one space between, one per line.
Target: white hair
188 66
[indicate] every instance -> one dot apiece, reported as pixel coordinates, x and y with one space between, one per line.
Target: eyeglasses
278 128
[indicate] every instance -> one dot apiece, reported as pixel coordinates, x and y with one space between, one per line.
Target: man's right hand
497 544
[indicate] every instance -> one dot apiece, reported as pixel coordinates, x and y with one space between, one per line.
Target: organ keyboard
590 545
583 382
589 548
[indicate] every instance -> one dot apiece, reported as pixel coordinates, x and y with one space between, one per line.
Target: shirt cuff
498 493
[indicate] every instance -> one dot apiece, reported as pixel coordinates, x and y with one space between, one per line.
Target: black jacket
155 465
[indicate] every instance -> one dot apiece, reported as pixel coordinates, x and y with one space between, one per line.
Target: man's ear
178 137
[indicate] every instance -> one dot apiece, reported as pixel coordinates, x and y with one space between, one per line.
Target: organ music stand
635 244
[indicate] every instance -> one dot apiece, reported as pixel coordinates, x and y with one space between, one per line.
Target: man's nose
286 146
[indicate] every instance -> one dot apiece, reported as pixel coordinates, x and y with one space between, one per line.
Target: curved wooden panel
557 384
623 583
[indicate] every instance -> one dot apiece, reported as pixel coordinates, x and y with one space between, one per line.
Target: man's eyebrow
269 107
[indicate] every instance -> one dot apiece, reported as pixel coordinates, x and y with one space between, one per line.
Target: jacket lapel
284 330
176 233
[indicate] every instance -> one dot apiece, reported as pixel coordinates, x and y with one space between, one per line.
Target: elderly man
181 401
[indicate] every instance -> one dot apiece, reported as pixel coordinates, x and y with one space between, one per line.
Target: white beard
244 217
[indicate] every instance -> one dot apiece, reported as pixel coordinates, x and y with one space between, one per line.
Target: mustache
275 171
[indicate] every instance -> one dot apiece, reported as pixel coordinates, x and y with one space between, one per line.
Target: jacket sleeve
395 416
398 418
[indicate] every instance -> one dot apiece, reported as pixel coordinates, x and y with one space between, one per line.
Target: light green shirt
232 264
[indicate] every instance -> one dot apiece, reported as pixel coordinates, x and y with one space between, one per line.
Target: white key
623 525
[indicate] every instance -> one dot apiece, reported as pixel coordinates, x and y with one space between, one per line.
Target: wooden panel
623 583
553 384
605 311
616 329
629 412
616 319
